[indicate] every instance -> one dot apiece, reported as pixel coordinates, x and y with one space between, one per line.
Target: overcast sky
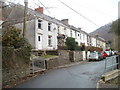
100 12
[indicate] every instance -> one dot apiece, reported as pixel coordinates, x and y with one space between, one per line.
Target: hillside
104 32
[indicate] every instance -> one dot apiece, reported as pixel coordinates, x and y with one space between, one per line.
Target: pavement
72 64
42 72
77 75
109 76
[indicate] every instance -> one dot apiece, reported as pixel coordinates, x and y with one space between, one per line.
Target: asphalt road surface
83 75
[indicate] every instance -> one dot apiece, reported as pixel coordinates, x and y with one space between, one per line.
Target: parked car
113 53
107 52
104 55
95 56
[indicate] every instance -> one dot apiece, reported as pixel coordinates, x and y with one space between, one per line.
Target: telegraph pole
25 17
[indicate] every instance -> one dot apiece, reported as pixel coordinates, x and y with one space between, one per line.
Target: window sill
49 45
40 28
49 31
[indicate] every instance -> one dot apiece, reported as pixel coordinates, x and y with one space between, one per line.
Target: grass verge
114 81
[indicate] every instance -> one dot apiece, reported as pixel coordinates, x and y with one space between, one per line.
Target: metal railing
37 64
112 62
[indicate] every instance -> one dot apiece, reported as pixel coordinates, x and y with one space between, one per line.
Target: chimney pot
40 10
65 21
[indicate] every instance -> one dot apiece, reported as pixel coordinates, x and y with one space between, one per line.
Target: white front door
39 40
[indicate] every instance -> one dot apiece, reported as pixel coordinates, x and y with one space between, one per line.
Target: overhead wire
10 11
13 8
79 13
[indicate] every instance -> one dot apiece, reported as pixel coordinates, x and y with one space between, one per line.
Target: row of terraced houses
47 33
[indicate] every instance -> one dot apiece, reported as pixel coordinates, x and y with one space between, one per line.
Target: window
40 24
58 30
49 26
38 38
64 28
49 40
80 36
83 37
71 33
75 34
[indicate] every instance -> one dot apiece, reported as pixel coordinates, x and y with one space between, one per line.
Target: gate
38 64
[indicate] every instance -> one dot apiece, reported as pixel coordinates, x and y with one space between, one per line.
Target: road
83 75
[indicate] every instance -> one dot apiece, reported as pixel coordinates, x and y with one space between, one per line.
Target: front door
39 41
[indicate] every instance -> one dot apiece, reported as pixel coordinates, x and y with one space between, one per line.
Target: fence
37 64
112 62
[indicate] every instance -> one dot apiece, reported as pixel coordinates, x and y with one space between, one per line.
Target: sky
99 12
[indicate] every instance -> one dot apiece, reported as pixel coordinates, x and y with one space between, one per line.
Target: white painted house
93 41
43 31
84 38
71 31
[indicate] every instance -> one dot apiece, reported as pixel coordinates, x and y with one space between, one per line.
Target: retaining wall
65 57
13 67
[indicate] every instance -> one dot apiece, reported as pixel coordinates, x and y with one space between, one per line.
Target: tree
109 43
115 28
11 37
71 44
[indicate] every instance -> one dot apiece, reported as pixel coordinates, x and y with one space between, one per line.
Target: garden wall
65 57
14 67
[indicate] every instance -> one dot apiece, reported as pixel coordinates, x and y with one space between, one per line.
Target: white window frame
49 40
49 26
40 23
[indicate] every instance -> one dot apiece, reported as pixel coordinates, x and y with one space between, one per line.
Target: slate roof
16 16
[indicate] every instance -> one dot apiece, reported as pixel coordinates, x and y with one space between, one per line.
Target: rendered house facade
43 31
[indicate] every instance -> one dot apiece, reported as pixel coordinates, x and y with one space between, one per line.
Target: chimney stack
65 21
79 28
40 9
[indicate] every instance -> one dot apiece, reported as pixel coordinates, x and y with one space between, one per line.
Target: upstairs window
40 24
64 28
80 36
71 33
75 34
83 37
49 26
58 30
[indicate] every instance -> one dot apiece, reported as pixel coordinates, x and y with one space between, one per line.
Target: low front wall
61 59
78 56
64 57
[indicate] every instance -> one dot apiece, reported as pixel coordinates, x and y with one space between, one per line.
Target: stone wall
60 60
65 57
13 67
84 55
78 56
52 62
